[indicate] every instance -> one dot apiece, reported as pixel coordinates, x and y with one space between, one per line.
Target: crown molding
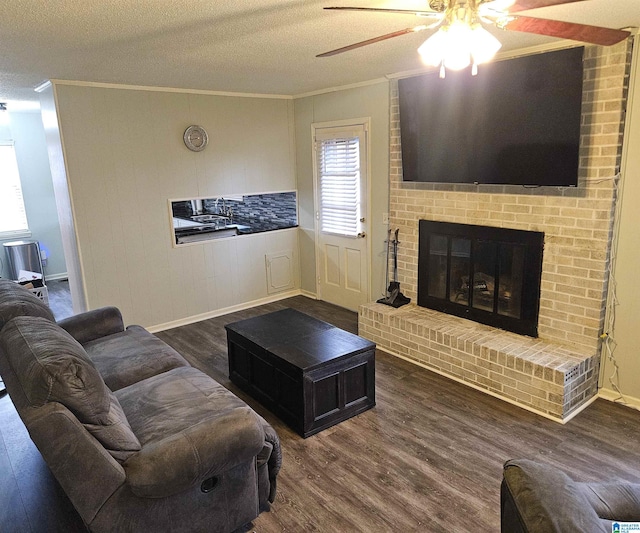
168 89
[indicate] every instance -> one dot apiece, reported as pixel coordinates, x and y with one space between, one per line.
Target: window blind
13 217
339 174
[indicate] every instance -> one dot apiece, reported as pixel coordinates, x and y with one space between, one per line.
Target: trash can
23 255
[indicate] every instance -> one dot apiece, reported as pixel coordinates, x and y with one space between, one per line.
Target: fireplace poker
394 297
386 264
394 286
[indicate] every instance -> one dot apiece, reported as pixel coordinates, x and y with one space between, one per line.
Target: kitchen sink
211 218
205 235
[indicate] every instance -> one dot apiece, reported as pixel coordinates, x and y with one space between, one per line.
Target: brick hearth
549 379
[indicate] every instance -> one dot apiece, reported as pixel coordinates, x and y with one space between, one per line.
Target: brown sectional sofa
138 439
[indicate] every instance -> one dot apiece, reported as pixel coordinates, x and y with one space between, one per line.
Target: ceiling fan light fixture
449 46
431 51
457 52
484 46
457 45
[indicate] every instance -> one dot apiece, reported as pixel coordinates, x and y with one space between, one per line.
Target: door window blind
13 217
339 174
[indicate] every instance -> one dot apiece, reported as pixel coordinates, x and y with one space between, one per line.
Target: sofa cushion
52 366
131 356
15 301
547 500
116 435
614 501
190 427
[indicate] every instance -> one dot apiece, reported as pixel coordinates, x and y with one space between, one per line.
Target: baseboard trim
56 277
613 396
309 294
224 311
580 409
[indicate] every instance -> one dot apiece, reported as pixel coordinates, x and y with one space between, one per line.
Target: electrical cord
602 180
609 343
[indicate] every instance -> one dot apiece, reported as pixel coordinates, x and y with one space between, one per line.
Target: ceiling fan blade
567 30
371 41
522 5
387 10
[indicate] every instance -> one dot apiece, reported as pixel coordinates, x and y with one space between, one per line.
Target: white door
341 210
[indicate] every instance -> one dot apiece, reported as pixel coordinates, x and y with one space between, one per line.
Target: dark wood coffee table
309 373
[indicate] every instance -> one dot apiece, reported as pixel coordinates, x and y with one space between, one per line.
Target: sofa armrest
92 325
272 455
537 498
85 470
179 461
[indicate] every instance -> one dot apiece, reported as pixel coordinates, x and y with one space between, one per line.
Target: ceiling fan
461 39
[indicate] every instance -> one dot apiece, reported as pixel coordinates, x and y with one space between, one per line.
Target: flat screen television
516 122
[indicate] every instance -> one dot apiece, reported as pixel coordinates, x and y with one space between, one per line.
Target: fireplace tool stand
394 297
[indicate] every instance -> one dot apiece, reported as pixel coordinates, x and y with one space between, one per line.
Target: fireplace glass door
491 275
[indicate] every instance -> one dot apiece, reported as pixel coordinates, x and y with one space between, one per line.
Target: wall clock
195 138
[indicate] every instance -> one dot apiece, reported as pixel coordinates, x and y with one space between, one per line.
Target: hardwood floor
427 458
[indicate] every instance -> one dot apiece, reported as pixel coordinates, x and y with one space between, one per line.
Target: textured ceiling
246 46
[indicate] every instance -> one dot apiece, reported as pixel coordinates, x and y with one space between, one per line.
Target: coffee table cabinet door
334 395
357 384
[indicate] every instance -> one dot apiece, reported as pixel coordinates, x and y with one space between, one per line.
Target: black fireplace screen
490 275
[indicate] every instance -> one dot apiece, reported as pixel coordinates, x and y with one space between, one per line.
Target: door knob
362 235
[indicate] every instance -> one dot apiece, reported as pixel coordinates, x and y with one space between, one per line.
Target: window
339 175
13 217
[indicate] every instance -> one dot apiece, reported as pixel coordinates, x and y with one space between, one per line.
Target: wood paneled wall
125 159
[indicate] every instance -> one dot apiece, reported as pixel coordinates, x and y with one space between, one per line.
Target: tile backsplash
263 212
258 212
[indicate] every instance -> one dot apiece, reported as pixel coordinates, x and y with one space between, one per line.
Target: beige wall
125 159
370 101
626 331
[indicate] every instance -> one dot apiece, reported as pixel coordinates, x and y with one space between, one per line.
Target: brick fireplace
555 374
